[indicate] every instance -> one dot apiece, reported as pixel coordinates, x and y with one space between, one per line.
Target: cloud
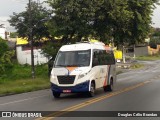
4 20
156 17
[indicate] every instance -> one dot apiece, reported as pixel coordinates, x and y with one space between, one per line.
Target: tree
111 20
5 57
13 34
126 22
140 25
21 21
72 18
87 18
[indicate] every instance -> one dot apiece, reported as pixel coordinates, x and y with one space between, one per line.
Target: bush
3 47
5 58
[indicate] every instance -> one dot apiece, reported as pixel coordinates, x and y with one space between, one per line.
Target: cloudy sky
7 7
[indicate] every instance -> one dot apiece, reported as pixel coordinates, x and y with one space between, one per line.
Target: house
23 51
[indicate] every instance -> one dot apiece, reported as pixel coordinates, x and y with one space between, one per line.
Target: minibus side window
98 57
95 59
103 57
109 56
112 58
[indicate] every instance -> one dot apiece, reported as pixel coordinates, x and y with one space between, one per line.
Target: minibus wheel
109 87
92 90
56 95
105 88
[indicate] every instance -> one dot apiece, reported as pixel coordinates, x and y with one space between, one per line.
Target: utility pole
31 39
134 55
124 59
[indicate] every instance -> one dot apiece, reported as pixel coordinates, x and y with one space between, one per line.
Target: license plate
66 91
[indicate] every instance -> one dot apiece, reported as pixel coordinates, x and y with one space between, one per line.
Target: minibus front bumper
82 87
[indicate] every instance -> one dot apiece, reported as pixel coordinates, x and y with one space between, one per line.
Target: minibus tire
56 94
92 90
105 88
109 87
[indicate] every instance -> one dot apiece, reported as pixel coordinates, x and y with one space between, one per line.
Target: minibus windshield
73 58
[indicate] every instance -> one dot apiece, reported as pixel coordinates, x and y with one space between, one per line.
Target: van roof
82 46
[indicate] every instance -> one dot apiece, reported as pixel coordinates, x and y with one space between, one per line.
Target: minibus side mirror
50 65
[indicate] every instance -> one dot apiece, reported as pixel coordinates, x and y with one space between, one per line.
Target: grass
149 57
136 66
21 86
118 72
19 80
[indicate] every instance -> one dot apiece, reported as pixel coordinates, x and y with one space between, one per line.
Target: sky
7 7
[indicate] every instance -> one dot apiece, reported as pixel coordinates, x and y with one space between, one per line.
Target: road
135 90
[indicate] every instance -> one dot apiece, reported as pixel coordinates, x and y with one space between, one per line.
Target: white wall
24 57
2 33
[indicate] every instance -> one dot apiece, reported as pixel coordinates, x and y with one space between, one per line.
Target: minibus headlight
81 76
53 76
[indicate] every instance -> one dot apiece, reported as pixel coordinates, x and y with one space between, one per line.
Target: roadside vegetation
19 79
136 66
130 67
119 72
5 57
16 78
149 57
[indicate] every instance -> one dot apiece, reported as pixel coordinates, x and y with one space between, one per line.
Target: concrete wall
24 56
139 51
152 51
3 33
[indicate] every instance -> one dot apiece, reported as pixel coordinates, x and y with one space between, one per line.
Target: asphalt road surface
135 90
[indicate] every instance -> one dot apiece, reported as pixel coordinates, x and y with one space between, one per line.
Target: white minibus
83 68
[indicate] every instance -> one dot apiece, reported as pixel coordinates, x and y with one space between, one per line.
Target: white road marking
22 100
